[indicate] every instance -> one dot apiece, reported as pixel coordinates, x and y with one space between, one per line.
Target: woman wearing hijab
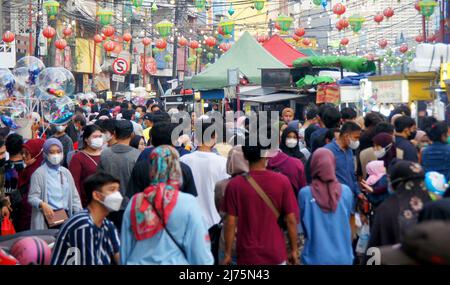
325 208
33 157
138 143
400 211
289 144
52 187
163 225
376 183
384 148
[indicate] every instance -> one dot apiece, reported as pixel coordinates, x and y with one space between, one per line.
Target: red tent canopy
283 51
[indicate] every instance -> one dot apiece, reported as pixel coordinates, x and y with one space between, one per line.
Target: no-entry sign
120 66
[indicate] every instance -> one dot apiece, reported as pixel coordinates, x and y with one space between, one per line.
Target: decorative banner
150 64
64 59
84 50
390 91
328 93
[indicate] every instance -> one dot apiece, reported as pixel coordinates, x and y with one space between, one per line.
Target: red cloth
81 166
260 239
283 51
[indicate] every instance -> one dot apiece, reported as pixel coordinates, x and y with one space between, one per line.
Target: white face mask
55 159
60 128
291 143
380 153
113 201
96 143
353 144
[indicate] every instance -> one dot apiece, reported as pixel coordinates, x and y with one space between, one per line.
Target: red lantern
388 12
194 44
147 41
419 39
211 42
127 37
277 26
60 44
306 42
345 41
296 38
109 46
67 32
49 32
339 27
98 39
339 9
161 44
383 43
404 48
417 6
220 30
344 23
108 31
182 42
225 46
8 37
378 18
300 32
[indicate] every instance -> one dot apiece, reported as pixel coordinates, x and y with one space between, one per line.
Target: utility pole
270 28
175 39
38 28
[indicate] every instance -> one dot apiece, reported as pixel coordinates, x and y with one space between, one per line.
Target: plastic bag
7 227
363 241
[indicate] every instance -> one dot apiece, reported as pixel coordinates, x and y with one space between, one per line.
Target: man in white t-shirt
207 168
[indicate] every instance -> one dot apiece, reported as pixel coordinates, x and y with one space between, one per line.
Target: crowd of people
121 189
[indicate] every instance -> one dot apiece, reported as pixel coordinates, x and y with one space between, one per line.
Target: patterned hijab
160 198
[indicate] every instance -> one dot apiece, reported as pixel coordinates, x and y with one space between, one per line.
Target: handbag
59 217
7 227
214 235
267 200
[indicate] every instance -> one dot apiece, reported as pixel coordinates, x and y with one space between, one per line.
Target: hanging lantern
284 22
127 37
137 3
339 9
225 46
146 41
199 4
67 32
210 55
109 46
339 26
427 7
300 32
154 7
306 42
378 18
220 31
388 13
161 44
167 58
383 43
344 41
105 17
164 28
296 38
98 39
417 6
356 22
259 4
317 2
191 60
108 31
49 33
227 27
52 8
344 23
419 38
60 44
211 42
194 44
404 48
199 50
231 10
277 26
432 38
8 37
182 42
155 50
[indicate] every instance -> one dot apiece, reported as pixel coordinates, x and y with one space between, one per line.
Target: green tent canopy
349 63
247 55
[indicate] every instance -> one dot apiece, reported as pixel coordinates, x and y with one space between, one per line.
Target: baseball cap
426 243
148 116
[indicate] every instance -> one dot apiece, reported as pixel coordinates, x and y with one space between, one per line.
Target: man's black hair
323 108
2 141
427 122
435 131
348 113
384 127
127 114
153 107
349 127
96 181
312 113
84 102
181 107
108 125
402 110
124 106
403 123
143 108
331 118
14 143
80 119
372 119
123 130
161 133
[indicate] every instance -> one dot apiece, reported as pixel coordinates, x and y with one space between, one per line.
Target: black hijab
294 152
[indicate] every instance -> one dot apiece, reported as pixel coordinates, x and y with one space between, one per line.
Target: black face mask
2 162
412 135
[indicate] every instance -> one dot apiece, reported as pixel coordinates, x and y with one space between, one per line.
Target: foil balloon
8 122
436 183
7 82
70 82
138 101
52 82
58 111
27 70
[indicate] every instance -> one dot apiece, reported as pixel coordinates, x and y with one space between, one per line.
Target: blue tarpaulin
354 79
215 94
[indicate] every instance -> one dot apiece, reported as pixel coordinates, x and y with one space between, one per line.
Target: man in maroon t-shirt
260 240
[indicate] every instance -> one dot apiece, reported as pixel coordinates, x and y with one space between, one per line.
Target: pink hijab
375 169
325 187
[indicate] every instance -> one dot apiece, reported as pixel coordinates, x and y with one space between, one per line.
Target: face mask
291 143
113 201
96 143
137 115
380 153
412 135
353 144
55 159
60 128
